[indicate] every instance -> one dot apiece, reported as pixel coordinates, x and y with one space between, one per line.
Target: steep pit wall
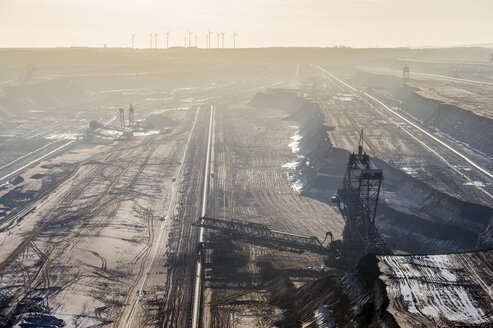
459 123
358 299
416 218
412 216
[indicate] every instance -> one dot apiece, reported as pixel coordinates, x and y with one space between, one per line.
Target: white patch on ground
295 145
343 97
165 110
427 285
449 276
291 165
62 136
320 316
148 133
293 176
475 183
297 186
410 171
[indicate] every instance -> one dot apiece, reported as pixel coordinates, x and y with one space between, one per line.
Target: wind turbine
217 36
209 36
222 35
133 40
190 39
234 39
150 42
185 41
196 38
206 41
167 39
155 39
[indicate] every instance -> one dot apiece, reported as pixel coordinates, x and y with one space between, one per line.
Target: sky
258 23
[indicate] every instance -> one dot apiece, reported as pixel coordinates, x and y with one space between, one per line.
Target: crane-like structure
405 73
358 202
127 128
260 234
234 39
122 118
209 39
167 39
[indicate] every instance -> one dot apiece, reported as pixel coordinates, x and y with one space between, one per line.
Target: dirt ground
97 231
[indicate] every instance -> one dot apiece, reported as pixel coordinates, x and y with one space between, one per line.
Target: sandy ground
439 290
393 141
474 97
93 232
106 219
251 184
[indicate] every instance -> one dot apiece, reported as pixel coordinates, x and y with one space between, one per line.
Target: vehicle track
134 316
80 228
419 138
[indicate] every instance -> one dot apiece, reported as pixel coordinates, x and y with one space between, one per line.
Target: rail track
80 222
197 294
132 315
432 143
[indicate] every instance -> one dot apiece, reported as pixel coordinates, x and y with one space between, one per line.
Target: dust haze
192 179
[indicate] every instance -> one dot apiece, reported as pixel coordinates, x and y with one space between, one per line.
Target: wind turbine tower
155 39
234 39
150 42
190 39
196 38
185 41
209 36
133 41
217 36
206 41
167 39
222 35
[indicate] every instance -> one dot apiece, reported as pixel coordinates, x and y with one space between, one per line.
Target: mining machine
358 202
261 235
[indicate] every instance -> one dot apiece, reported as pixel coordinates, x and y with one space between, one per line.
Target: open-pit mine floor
96 225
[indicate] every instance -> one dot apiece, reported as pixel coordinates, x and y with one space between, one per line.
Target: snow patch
62 136
427 284
475 183
293 174
148 133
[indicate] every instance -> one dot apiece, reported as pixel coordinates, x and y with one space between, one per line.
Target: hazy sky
259 23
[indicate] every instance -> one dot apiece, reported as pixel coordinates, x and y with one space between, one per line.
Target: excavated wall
461 124
412 216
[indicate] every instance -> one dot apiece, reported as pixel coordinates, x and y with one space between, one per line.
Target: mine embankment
405 291
252 144
420 219
39 95
77 232
414 217
438 106
358 299
439 290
